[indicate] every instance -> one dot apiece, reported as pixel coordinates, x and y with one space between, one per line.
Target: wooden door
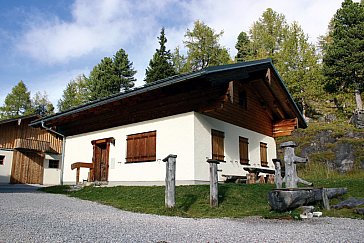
100 159
27 167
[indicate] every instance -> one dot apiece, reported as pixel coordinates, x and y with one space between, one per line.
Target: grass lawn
235 200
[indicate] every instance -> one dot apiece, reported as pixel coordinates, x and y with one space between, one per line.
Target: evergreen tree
124 71
243 47
267 35
160 66
41 105
343 60
75 94
203 48
17 102
111 76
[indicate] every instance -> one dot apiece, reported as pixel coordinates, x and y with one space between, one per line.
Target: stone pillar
214 190
170 191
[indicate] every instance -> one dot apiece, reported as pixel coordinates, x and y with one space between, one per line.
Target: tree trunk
358 100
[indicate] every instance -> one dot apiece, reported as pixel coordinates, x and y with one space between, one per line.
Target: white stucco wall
51 176
203 147
175 135
186 135
5 169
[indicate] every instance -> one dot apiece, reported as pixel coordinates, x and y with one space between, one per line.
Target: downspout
63 147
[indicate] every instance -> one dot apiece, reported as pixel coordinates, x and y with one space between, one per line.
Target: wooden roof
198 91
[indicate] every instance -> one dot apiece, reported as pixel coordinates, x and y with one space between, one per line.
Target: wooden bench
78 166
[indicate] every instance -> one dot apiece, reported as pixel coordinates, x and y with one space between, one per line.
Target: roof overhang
127 104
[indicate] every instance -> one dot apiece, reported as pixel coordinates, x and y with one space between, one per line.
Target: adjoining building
27 154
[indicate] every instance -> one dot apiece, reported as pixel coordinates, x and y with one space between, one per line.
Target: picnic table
253 176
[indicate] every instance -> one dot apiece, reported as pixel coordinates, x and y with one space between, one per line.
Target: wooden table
253 176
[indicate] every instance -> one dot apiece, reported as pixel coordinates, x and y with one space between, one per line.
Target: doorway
100 159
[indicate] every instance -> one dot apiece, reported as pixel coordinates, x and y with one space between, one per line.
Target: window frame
217 145
263 154
244 150
148 140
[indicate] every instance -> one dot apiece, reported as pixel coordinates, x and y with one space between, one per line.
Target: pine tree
343 60
103 80
111 76
17 102
124 71
243 47
75 94
203 48
160 66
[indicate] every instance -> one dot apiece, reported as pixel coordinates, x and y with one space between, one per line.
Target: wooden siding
10 132
27 168
155 104
252 114
31 144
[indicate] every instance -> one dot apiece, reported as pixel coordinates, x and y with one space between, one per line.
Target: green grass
235 200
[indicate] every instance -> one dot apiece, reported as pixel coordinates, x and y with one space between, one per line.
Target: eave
197 91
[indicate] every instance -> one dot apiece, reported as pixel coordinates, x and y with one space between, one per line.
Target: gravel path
42 217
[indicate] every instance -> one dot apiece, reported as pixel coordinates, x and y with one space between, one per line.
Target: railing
32 144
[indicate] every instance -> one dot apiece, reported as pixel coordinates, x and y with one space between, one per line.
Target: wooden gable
17 134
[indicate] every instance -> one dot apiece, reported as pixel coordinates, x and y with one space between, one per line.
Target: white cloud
99 28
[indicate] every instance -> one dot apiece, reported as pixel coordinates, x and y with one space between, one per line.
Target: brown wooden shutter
141 147
263 154
244 150
217 145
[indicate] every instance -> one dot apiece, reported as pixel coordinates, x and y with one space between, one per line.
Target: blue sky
47 43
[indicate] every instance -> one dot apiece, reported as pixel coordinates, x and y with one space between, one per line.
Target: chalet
230 113
27 154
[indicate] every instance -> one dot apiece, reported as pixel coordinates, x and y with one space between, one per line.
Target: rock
282 200
317 214
350 203
358 119
344 157
359 211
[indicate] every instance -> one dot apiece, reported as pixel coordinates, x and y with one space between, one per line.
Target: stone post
170 191
214 190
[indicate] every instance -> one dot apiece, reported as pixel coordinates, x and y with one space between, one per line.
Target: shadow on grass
187 201
223 189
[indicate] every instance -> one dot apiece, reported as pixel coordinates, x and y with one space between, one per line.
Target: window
2 158
244 151
263 155
217 145
141 147
53 163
